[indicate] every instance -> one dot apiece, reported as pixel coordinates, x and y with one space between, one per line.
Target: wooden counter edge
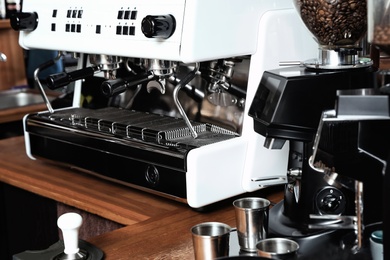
162 233
109 200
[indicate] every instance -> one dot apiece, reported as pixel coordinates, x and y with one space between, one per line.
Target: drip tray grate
140 126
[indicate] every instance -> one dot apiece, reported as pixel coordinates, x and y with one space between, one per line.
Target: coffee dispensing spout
108 64
218 74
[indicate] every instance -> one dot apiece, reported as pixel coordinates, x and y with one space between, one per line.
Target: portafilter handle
62 79
114 87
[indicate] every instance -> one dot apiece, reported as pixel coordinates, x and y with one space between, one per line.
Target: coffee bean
382 35
334 22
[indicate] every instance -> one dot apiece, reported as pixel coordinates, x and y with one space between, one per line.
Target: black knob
24 21
113 87
330 201
63 78
158 26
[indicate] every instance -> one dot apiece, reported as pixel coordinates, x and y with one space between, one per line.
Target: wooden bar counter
153 227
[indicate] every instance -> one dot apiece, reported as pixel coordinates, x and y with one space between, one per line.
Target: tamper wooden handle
70 223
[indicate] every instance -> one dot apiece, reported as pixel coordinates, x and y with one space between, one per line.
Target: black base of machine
122 164
319 244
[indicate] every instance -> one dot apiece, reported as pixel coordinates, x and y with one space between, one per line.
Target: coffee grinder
287 108
378 35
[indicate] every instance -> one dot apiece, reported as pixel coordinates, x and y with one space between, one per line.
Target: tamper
70 248
70 223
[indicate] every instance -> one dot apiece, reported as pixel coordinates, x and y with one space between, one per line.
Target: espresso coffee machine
287 107
174 79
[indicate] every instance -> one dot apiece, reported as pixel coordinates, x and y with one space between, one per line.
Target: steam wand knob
70 223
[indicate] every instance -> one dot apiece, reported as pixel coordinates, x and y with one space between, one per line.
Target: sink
20 97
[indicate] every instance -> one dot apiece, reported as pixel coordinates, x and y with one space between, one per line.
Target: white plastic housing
201 27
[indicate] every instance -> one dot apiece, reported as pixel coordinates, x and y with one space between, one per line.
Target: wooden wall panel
12 72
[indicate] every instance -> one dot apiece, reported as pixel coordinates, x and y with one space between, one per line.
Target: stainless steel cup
252 221
278 248
210 240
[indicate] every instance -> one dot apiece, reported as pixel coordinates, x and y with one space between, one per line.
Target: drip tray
143 126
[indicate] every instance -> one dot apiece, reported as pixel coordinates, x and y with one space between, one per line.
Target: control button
125 30
127 15
68 13
74 13
53 27
132 30
54 14
158 26
67 27
152 175
119 30
98 29
80 14
120 14
133 15
73 28
78 28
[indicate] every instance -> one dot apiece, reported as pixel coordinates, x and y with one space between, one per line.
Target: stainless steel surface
337 63
106 63
210 240
162 130
19 98
178 87
252 221
160 67
278 248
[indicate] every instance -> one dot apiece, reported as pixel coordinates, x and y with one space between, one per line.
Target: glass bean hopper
338 26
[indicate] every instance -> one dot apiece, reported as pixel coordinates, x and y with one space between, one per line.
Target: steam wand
36 78
187 79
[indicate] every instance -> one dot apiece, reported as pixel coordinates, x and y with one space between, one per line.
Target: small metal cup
252 221
210 240
278 248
